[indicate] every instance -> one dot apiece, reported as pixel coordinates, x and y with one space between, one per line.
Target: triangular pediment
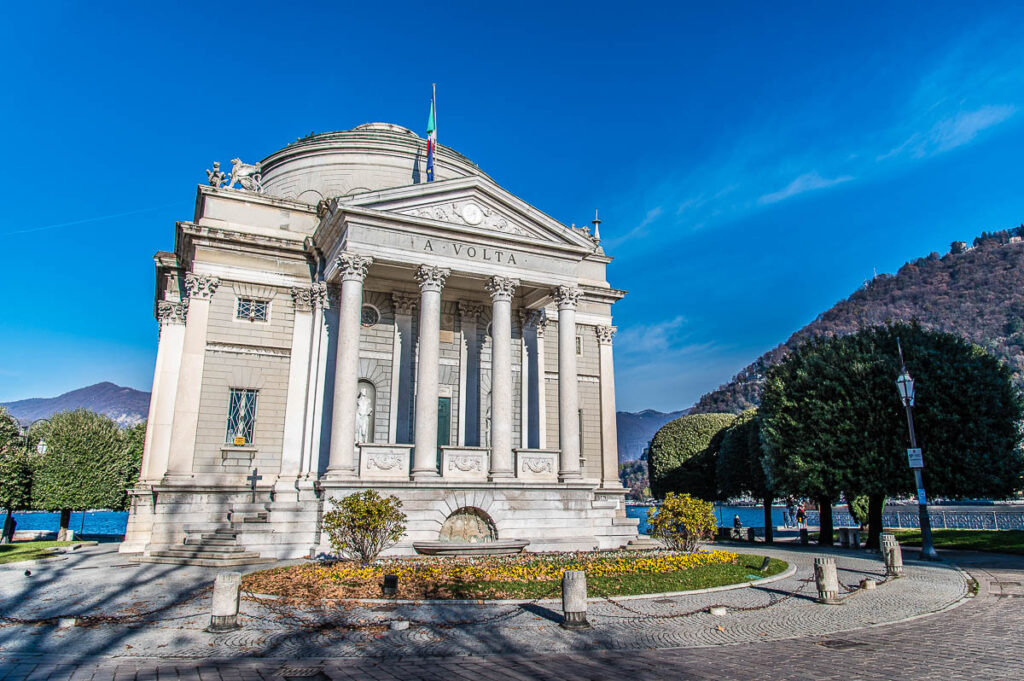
472 203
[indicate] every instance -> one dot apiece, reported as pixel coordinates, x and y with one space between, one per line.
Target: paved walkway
794 639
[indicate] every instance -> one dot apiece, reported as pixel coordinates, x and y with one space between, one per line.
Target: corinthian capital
605 334
431 277
404 303
318 294
171 312
201 286
566 297
501 288
353 267
303 298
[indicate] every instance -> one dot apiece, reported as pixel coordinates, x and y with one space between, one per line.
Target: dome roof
369 157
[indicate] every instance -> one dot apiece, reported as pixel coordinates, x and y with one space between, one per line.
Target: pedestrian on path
801 516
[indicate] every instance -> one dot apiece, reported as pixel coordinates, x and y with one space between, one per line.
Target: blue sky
753 163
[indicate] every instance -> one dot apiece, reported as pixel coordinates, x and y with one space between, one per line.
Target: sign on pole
921 498
914 458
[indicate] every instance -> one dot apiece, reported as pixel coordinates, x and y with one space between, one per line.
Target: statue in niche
364 414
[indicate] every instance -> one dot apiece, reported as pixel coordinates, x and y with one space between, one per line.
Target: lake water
93 522
750 516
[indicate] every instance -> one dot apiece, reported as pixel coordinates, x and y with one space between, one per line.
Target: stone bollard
844 537
827 580
892 554
855 538
225 602
574 600
804 539
868 584
751 534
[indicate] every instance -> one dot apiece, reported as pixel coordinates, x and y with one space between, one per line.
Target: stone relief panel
469 214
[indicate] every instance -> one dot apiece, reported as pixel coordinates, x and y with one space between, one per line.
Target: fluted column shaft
568 387
431 281
501 289
353 270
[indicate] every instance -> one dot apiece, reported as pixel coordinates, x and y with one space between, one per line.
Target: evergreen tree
832 420
683 455
740 469
84 465
15 485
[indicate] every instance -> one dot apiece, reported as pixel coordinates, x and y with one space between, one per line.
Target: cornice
194 232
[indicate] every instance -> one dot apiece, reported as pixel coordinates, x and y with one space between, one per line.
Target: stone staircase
208 549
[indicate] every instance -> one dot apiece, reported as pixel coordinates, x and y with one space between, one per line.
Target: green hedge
683 453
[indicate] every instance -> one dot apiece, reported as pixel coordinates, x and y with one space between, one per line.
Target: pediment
471 203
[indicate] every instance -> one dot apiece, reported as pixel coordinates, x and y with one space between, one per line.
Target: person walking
801 515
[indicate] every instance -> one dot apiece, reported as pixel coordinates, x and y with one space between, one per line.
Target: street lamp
905 384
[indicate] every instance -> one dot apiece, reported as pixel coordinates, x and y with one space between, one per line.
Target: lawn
29 550
524 576
1000 541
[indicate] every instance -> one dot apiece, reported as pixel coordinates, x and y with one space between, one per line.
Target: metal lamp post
905 384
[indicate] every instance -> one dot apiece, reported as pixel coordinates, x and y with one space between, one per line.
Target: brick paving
980 639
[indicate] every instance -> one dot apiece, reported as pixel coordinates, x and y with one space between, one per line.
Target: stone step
215 548
212 540
242 559
191 552
221 531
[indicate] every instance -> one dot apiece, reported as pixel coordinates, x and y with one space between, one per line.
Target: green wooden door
444 421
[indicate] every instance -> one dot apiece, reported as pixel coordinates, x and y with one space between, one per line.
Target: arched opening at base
468 525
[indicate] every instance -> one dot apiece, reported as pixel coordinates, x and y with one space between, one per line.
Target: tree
10 430
740 469
134 440
683 453
84 465
834 422
15 485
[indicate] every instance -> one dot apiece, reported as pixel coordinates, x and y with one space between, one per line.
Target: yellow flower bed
523 568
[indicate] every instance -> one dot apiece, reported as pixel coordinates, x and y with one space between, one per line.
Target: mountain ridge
127 406
976 292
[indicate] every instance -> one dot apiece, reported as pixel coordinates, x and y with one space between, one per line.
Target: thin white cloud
651 217
952 132
805 183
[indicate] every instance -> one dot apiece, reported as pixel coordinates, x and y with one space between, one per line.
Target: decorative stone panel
465 463
537 465
384 461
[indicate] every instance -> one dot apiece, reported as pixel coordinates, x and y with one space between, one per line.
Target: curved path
795 638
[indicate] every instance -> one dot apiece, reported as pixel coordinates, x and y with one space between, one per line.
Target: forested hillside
977 292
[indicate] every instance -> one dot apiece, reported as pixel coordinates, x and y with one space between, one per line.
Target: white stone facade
478 329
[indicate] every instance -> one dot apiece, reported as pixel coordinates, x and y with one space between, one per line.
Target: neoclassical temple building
337 323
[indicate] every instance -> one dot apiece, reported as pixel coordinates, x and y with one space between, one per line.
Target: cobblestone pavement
979 639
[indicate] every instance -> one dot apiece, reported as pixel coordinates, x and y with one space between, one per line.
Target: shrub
683 521
364 524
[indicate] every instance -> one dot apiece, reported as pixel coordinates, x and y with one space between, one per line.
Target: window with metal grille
241 416
253 310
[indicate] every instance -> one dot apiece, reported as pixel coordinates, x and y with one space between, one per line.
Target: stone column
352 270
404 359
501 289
200 289
609 431
295 402
431 279
568 388
317 381
165 380
470 314
533 384
542 382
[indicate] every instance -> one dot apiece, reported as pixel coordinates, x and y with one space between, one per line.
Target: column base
569 476
500 475
425 474
340 474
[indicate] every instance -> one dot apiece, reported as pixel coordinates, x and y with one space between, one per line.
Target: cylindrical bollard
827 580
225 602
751 534
804 539
574 600
844 537
855 538
892 554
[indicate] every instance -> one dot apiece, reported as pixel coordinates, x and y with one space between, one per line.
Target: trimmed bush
683 455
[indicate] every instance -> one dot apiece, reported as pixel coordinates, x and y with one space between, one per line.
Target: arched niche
468 525
366 410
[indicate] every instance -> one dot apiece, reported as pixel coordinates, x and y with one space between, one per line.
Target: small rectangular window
241 416
253 310
579 346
